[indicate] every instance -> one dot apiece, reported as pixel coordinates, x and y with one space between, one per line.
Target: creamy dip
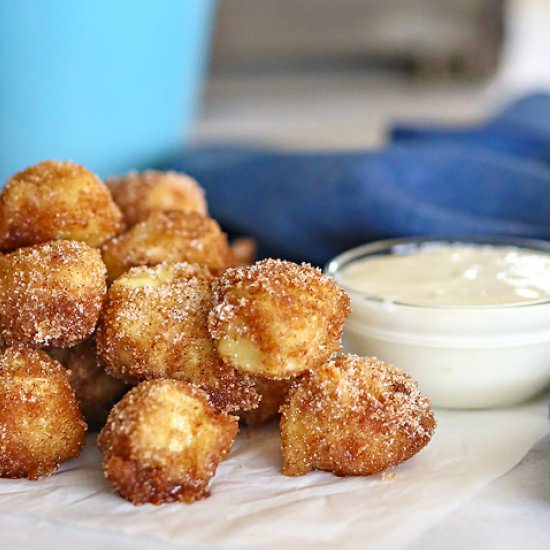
454 275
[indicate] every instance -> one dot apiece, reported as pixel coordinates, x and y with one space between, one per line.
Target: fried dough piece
277 319
353 416
137 194
273 394
96 391
56 201
154 325
41 425
244 251
51 294
163 442
169 237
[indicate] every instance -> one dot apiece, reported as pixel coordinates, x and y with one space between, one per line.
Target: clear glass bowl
462 356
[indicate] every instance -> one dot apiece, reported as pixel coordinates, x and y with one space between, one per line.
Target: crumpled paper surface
513 512
254 506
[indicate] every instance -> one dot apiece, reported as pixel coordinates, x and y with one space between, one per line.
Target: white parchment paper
254 506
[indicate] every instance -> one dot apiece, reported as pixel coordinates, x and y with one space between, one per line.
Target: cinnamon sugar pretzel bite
169 237
244 250
96 391
163 442
137 194
272 394
277 319
154 325
56 201
51 294
353 416
41 425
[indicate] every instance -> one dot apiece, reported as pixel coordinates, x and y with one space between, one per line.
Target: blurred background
319 73
120 85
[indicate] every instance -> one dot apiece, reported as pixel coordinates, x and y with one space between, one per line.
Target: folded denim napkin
492 179
521 129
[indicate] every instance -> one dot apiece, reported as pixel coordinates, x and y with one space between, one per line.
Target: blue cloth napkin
521 130
489 180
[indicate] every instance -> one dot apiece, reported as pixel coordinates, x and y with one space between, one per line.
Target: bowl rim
334 266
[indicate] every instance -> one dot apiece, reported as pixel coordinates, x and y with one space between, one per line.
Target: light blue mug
111 84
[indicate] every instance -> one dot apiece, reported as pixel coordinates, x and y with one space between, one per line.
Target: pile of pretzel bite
124 309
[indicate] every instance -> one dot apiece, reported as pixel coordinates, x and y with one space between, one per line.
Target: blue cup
111 84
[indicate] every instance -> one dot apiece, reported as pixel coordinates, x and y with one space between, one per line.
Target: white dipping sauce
471 322
455 275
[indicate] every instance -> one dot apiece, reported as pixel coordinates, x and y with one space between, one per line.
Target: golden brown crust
277 319
154 325
41 425
168 237
273 394
163 442
55 201
353 416
96 391
137 194
51 294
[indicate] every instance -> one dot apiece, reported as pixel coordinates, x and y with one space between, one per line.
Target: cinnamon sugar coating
41 425
169 237
55 201
154 325
353 416
273 394
277 319
137 194
163 442
96 391
51 294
